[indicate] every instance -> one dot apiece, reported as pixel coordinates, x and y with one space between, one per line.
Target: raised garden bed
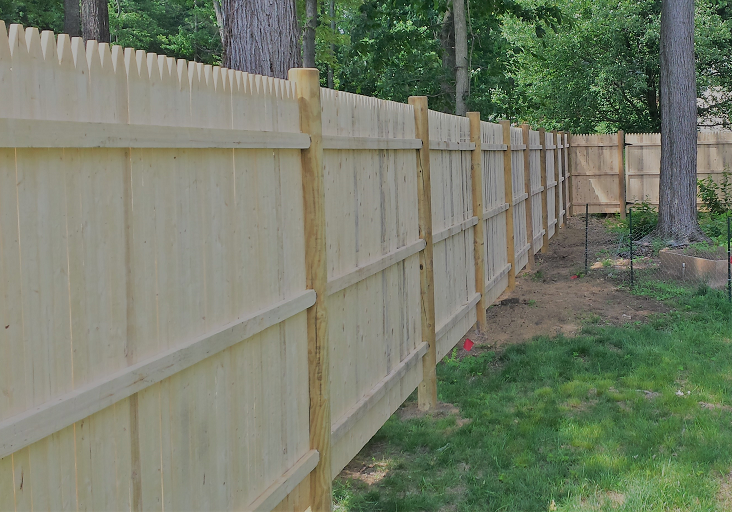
708 267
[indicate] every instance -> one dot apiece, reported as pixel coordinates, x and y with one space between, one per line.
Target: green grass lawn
634 418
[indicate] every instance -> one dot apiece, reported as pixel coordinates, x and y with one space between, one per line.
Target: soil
549 301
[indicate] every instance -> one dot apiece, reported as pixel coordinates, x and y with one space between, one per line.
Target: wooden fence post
567 186
560 179
476 170
557 175
544 210
570 180
527 187
316 272
508 187
621 173
427 394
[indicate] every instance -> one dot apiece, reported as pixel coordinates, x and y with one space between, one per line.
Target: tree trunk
462 81
262 36
95 20
72 18
218 10
677 220
308 37
447 41
331 13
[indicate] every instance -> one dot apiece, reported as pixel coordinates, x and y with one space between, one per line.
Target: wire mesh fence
627 252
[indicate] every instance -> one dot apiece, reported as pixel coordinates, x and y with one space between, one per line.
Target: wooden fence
218 286
610 170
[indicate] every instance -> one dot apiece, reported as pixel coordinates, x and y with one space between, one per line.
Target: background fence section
594 170
162 301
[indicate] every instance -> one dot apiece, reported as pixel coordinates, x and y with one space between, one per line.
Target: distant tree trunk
72 18
447 41
308 37
331 13
95 20
677 216
218 10
261 36
462 80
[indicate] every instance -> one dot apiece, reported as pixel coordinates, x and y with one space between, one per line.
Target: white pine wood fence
213 282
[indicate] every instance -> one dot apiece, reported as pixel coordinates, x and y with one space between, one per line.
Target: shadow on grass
635 418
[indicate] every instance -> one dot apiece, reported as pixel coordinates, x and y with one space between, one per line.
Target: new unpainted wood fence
217 286
614 170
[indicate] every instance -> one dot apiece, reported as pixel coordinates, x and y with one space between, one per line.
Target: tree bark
262 36
447 41
331 13
462 80
308 37
677 214
218 10
95 20
72 18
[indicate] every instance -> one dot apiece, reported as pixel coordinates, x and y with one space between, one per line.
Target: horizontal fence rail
218 286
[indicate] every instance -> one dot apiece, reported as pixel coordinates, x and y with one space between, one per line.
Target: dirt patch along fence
611 170
218 286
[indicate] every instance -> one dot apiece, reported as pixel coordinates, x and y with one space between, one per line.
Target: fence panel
373 265
495 207
520 200
551 183
149 261
594 160
452 228
536 189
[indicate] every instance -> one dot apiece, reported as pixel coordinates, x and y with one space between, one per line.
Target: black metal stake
729 266
630 235
587 228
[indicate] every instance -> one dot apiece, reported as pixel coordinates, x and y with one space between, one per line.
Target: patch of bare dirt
410 410
705 405
548 301
724 495
370 466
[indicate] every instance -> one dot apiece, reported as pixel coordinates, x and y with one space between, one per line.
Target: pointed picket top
6 79
138 86
48 46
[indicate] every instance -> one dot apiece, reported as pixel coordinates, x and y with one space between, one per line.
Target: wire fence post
729 266
587 228
630 236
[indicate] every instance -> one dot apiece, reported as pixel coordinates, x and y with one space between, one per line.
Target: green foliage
645 219
44 14
716 197
618 418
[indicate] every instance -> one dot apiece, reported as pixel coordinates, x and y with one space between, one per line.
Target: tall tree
677 219
95 20
260 36
462 79
72 18
308 36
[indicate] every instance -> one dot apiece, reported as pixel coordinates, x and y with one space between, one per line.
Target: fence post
567 188
621 173
557 174
508 187
476 170
527 186
561 179
544 211
316 275
427 394
570 191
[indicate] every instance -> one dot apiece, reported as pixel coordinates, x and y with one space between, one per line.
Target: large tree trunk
72 18
95 20
262 36
462 80
308 37
677 219
331 13
218 10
